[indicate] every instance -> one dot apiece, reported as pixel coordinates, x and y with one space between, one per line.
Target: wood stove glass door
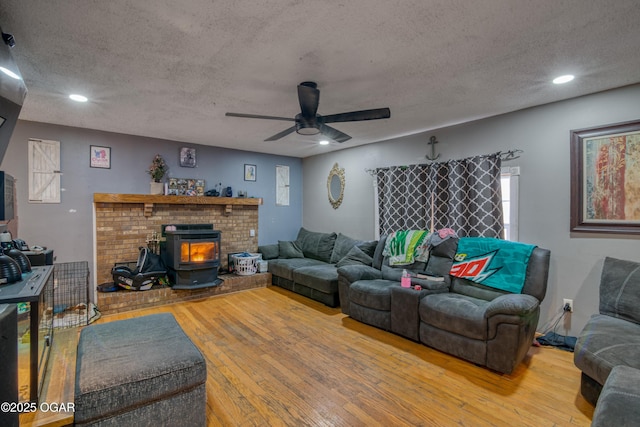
198 251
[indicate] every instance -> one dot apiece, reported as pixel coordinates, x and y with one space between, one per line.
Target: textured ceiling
171 70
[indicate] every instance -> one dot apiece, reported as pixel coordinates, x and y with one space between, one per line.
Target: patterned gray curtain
465 194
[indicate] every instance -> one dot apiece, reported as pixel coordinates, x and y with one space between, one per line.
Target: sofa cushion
355 256
620 289
284 267
288 250
619 403
368 247
341 247
459 314
446 248
323 278
605 342
269 251
395 273
474 290
375 294
316 245
378 258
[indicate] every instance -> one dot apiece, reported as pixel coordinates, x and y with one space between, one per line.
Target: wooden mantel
150 199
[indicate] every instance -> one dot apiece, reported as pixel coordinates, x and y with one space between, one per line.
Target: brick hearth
124 221
115 302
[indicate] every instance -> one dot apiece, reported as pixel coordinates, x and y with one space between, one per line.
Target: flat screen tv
12 92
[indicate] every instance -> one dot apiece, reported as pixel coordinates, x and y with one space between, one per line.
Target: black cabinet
33 296
8 362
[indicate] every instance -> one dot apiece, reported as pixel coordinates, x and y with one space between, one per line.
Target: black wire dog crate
71 295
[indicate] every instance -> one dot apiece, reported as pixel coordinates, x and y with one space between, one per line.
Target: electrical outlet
567 301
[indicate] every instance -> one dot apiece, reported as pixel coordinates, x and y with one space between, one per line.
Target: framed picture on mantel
605 179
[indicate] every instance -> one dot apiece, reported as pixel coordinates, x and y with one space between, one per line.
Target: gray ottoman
143 371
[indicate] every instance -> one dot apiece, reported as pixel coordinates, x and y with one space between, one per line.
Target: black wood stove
192 255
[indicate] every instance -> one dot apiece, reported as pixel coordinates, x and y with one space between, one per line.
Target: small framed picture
250 172
100 157
188 157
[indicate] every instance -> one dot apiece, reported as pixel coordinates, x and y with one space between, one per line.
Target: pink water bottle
405 282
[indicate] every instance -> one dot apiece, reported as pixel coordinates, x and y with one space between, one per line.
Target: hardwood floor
277 358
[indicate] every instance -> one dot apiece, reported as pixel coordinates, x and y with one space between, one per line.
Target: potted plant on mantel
157 170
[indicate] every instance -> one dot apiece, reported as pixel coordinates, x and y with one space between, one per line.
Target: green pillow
289 250
355 257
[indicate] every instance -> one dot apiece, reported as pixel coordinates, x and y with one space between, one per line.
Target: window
509 185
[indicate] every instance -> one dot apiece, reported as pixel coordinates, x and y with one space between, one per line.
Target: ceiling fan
308 122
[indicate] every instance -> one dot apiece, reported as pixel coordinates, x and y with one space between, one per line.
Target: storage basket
246 265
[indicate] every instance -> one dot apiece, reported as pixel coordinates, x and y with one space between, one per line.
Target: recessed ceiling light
563 79
10 73
324 142
78 98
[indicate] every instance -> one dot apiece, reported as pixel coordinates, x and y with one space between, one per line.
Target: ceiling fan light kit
308 122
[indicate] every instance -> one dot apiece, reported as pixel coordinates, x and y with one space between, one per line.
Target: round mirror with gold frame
335 186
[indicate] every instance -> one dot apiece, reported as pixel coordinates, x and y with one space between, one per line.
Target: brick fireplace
123 222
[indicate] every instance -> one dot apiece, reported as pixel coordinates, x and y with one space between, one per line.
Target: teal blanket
496 263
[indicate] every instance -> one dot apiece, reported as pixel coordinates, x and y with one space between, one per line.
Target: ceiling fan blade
356 116
255 116
282 134
334 134
309 96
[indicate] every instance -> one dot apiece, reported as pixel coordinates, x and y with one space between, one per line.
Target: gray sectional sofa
486 326
610 342
308 265
483 325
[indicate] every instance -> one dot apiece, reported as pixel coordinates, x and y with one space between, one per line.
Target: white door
44 171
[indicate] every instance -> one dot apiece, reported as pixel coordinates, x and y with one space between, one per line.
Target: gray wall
68 227
543 134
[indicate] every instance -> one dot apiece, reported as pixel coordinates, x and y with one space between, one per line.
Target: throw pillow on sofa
341 247
288 250
269 251
368 247
316 245
355 256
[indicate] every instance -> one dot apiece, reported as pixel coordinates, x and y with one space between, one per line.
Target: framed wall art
605 179
250 172
100 157
188 157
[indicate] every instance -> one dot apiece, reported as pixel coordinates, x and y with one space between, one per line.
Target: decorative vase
157 188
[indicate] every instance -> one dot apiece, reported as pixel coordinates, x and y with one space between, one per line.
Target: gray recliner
486 326
612 337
